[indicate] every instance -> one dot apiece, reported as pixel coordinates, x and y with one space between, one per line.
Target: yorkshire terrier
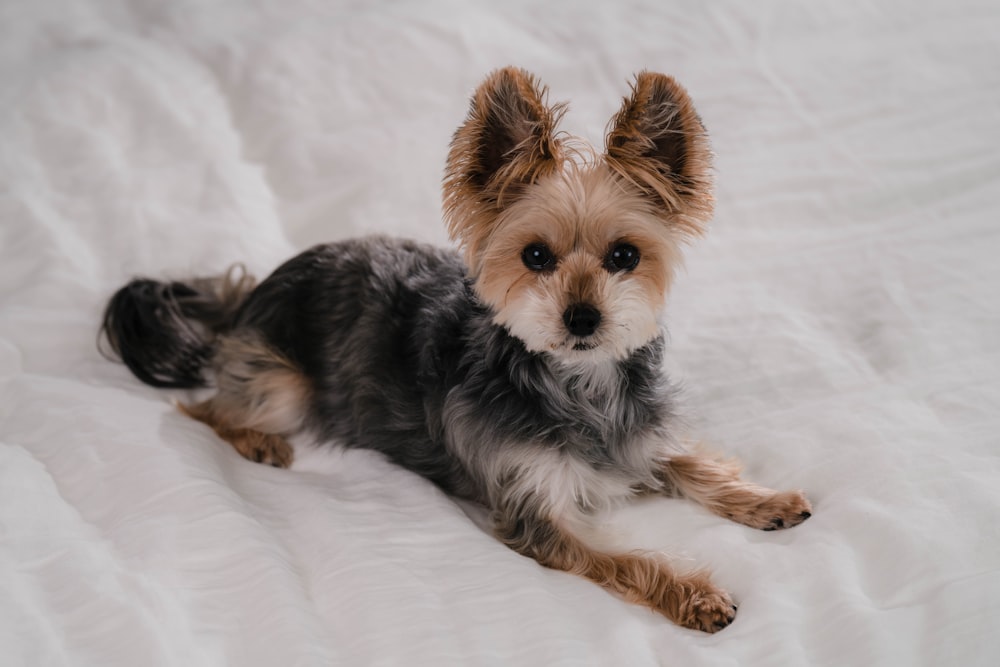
523 372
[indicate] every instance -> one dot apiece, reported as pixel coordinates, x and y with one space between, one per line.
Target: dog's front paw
782 510
706 608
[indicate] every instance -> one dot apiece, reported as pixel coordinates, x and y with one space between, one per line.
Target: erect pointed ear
657 142
506 142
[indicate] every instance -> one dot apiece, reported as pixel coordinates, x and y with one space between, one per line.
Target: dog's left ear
505 144
658 143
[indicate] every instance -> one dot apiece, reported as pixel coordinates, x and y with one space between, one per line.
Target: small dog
524 374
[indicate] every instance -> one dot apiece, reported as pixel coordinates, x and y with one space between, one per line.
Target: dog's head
575 255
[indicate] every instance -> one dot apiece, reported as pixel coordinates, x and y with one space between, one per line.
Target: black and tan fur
524 374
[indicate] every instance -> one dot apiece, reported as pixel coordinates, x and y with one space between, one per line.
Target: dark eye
538 257
622 257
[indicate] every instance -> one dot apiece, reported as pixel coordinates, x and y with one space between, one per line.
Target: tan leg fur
717 486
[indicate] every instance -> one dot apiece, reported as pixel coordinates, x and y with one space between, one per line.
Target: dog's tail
165 332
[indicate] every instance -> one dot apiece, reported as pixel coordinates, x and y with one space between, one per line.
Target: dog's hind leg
262 397
717 486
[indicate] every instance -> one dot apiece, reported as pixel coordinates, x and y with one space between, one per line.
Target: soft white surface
837 330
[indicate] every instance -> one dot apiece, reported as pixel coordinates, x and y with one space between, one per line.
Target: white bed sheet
837 329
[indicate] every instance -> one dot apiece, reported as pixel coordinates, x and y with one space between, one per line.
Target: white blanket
838 330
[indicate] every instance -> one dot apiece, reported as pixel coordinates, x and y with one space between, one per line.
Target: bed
838 330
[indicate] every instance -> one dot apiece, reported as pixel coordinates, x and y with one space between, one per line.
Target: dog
522 371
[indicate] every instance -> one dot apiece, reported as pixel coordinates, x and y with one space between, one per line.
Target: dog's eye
538 257
622 257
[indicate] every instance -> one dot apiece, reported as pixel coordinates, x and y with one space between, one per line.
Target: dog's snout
582 319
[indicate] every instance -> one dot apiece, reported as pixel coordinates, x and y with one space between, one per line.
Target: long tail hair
165 332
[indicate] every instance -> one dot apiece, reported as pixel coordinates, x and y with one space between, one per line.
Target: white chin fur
627 323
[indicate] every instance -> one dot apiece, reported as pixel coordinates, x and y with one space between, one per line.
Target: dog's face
575 256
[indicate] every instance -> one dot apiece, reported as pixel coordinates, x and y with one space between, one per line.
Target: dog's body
525 375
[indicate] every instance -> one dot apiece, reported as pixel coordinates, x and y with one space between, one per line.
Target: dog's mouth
584 346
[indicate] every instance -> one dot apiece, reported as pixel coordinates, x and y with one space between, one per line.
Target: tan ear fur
657 143
506 143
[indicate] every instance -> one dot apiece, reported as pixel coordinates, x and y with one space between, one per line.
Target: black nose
582 319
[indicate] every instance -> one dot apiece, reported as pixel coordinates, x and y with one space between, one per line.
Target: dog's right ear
506 143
